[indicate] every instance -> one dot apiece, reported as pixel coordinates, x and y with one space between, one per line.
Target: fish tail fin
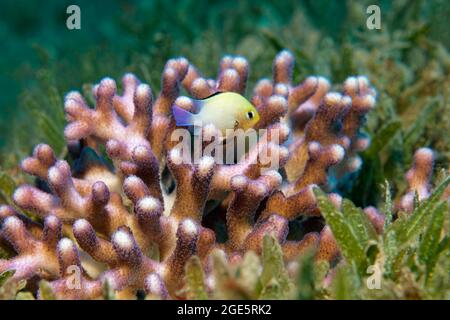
182 116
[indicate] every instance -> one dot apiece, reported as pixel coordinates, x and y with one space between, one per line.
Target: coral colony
134 223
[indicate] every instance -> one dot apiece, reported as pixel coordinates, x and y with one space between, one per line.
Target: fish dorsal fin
201 102
198 103
212 95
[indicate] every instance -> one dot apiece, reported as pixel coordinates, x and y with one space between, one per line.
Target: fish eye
250 115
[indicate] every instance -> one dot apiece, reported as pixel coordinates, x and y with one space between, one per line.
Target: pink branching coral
418 178
139 231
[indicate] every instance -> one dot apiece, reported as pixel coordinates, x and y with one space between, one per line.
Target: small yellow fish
225 110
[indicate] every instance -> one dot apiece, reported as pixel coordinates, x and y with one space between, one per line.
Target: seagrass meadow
95 204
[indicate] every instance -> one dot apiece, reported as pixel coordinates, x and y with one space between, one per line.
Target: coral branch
418 178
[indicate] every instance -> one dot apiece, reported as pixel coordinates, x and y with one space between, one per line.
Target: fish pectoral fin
182 116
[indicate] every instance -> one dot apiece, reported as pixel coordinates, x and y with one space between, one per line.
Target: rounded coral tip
206 164
12 223
240 63
65 245
122 239
424 156
337 153
22 195
148 204
332 98
153 283
81 225
189 227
